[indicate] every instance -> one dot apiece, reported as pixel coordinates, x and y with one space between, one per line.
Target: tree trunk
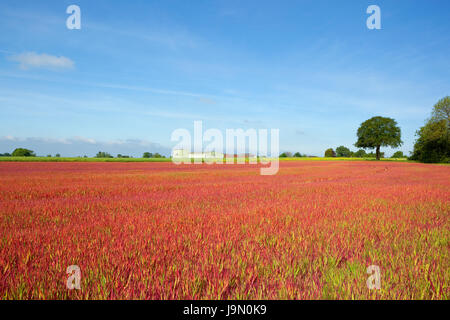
378 152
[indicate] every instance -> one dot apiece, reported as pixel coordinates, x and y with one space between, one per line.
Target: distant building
185 154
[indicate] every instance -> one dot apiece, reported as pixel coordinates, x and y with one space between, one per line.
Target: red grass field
160 231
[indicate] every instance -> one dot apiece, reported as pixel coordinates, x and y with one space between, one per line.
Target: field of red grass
161 231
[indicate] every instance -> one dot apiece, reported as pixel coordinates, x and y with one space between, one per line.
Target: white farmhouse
185 154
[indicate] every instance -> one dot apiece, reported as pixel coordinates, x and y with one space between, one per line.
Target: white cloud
83 139
34 60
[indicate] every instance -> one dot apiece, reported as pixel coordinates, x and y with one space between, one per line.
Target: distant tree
297 155
49 156
22 152
329 153
286 154
360 153
433 139
398 154
378 132
147 155
343 152
102 154
57 155
157 155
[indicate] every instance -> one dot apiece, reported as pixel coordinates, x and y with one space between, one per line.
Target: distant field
79 159
347 159
161 231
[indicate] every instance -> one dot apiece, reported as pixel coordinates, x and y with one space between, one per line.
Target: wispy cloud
210 98
207 100
29 60
152 90
5 51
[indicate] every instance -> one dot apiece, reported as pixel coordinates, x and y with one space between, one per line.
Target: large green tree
378 132
433 139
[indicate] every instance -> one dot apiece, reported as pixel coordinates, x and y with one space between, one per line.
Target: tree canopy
286 154
22 152
433 139
329 153
398 154
378 132
343 152
102 154
441 111
360 153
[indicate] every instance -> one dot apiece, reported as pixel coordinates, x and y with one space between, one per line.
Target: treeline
146 155
373 133
295 155
432 144
22 152
19 152
344 152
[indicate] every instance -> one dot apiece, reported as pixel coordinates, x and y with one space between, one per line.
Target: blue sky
137 70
